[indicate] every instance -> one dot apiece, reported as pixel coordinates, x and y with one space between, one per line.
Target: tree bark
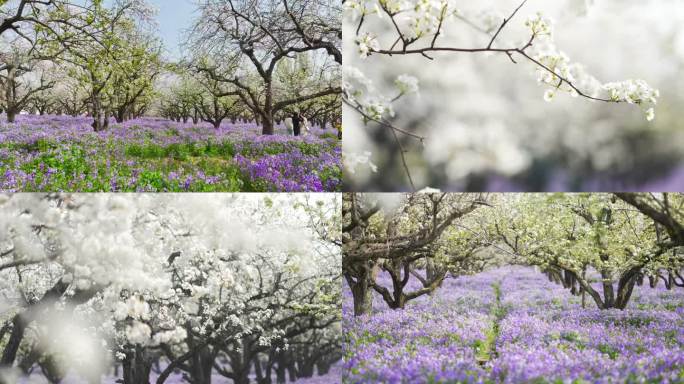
608 293
626 287
97 114
136 367
259 372
280 374
11 115
323 367
121 114
584 291
292 373
202 360
11 94
363 298
12 347
267 118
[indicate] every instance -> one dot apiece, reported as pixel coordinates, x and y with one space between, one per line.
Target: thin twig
394 131
382 122
503 25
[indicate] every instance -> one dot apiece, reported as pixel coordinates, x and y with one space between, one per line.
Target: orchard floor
333 377
527 330
63 153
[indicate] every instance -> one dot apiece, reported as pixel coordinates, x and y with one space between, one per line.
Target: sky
173 17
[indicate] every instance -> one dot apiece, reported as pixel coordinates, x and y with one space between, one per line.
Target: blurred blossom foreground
511 325
63 153
561 96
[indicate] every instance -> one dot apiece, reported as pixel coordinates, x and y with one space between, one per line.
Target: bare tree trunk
608 293
241 377
259 372
584 291
121 115
280 374
11 94
51 370
626 287
363 298
12 346
267 117
323 367
105 123
136 367
11 115
306 365
292 373
97 114
202 361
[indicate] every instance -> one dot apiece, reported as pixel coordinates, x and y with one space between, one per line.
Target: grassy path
486 350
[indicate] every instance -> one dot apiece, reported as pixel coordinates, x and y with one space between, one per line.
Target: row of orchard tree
599 246
247 59
150 289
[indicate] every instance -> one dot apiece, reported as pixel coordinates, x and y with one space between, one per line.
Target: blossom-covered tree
185 285
570 237
112 58
411 235
260 35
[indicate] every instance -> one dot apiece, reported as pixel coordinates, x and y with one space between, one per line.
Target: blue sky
174 17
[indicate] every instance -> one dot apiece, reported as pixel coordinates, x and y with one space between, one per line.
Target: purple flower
544 336
78 159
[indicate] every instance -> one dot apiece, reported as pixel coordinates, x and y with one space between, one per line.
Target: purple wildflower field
63 153
511 325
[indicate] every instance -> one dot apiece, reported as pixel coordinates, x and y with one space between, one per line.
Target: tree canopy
596 244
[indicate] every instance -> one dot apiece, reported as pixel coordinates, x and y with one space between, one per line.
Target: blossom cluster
353 160
555 69
418 19
634 92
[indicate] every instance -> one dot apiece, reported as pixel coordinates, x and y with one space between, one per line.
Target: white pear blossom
559 72
376 109
634 92
367 43
170 337
540 25
352 160
406 84
549 94
138 333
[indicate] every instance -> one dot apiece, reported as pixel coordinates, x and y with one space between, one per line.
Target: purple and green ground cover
63 153
511 325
